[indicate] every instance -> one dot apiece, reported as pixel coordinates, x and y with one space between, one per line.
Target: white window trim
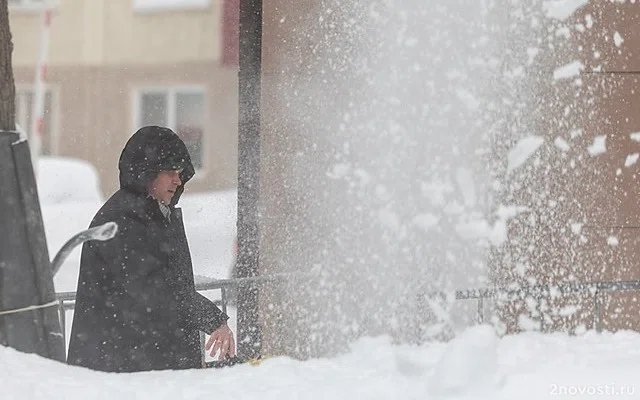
171 90
149 7
55 114
34 5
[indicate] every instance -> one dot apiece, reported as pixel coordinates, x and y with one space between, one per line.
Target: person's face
164 186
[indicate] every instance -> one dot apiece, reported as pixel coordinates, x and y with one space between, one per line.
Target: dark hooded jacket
136 305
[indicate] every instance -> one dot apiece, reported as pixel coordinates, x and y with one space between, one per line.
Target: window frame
171 91
34 5
164 8
55 113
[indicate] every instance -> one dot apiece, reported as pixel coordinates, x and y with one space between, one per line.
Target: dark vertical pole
249 78
27 279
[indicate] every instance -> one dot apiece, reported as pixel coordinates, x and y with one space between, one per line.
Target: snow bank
64 180
478 365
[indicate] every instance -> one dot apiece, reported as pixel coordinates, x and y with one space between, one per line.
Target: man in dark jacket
136 305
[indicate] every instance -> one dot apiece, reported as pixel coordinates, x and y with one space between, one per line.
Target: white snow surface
477 365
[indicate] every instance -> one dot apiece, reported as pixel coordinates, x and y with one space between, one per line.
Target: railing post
63 322
223 299
596 311
541 313
480 309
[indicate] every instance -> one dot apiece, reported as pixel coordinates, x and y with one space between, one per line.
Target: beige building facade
115 65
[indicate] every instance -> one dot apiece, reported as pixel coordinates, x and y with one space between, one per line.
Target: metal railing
67 300
539 292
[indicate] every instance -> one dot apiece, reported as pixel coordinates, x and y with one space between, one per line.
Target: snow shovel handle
103 232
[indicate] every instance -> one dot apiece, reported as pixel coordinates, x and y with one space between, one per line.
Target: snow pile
478 365
469 364
64 180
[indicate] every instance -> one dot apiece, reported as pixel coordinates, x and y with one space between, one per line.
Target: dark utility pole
249 77
29 318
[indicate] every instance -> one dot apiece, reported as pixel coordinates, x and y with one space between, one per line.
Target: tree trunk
7 104
7 86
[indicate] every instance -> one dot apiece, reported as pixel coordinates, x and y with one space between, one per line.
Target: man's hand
222 339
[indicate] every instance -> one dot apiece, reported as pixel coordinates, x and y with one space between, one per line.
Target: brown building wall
598 192
585 227
588 190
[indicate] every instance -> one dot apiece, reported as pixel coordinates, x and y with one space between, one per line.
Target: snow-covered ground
477 364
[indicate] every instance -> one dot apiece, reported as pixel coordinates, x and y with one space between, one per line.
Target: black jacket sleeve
203 314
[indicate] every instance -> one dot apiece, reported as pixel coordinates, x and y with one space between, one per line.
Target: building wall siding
597 191
99 32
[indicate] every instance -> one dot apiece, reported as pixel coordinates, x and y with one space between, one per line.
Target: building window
24 118
179 109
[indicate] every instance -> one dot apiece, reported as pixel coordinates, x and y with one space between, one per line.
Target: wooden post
249 78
